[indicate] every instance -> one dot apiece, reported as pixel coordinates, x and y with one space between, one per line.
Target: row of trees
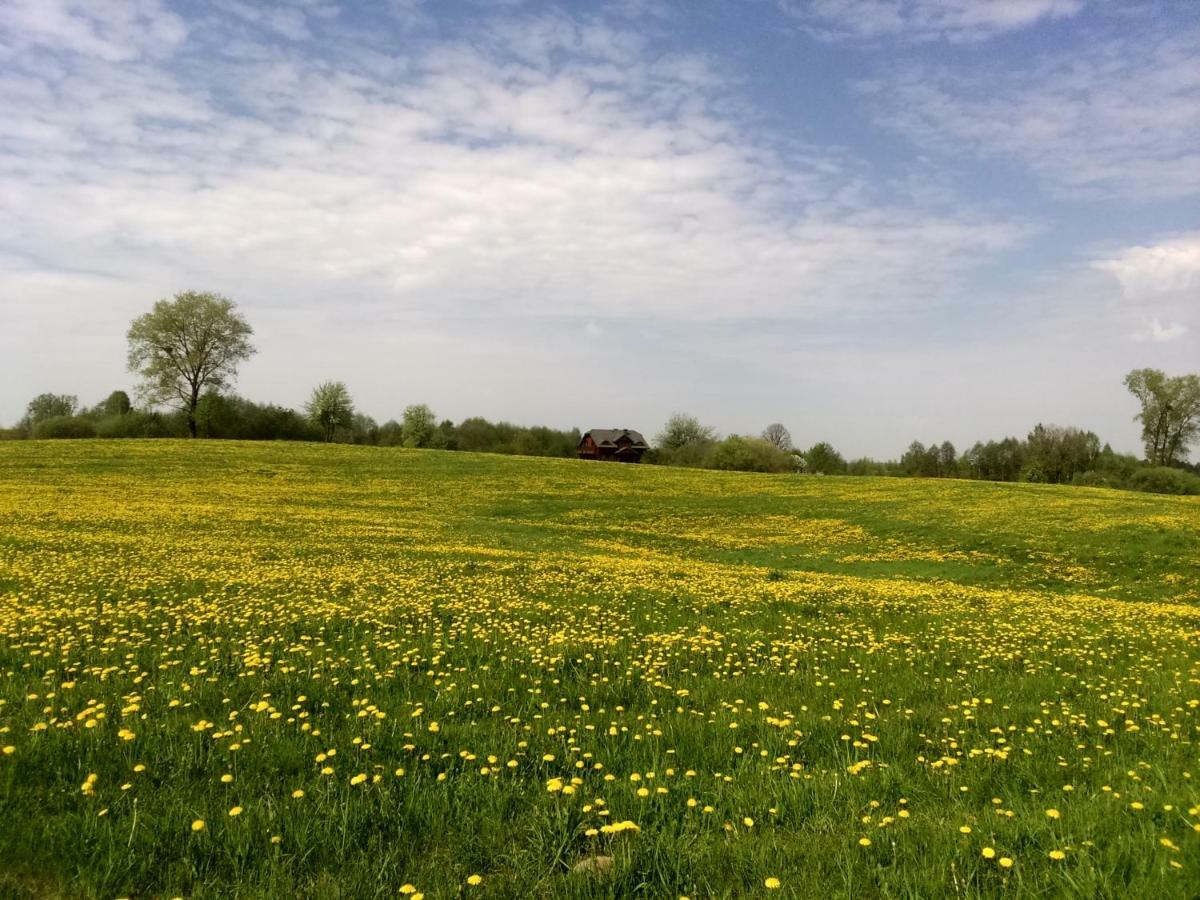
1048 455
328 416
186 352
684 441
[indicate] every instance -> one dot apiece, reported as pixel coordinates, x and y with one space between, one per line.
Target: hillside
418 666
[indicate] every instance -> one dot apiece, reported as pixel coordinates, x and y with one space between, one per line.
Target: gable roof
608 437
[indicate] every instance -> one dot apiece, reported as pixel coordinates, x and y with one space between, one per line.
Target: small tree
1170 413
682 431
49 406
419 425
116 404
777 434
186 345
822 459
330 408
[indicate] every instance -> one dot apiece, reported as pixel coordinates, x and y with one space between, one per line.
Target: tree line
186 352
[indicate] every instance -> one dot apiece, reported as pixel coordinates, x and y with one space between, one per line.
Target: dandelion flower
198 825
474 880
771 884
988 852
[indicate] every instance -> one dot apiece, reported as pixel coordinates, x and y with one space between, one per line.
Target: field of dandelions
263 670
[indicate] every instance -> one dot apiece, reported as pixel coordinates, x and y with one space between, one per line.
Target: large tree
1170 414
330 408
187 345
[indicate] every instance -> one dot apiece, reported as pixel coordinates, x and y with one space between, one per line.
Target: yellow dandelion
772 883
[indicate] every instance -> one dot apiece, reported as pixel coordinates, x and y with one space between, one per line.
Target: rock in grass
593 865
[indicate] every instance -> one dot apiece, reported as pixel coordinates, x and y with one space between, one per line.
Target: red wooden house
615 444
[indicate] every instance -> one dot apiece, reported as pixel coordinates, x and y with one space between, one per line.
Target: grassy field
321 671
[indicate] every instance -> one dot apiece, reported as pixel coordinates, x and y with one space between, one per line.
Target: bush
1161 480
63 427
750 454
139 424
822 459
698 454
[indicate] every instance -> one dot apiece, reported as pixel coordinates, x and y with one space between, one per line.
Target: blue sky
872 220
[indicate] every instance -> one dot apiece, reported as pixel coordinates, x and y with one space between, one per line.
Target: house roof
608 437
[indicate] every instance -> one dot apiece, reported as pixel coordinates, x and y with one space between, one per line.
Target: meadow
261 670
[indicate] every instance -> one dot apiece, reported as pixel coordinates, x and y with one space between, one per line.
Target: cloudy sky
872 220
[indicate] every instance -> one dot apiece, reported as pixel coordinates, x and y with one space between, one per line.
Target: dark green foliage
822 459
995 460
867 466
1162 480
63 427
390 434
141 424
236 418
115 404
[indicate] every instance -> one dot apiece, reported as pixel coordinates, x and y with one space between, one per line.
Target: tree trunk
194 400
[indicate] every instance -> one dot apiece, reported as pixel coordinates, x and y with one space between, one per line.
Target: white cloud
543 168
1151 272
922 20
1122 118
115 32
1159 333
1159 282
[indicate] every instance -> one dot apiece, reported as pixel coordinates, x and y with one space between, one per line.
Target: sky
872 220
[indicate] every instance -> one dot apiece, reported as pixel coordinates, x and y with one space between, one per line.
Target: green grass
747 642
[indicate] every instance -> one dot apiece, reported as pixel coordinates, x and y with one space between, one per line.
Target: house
619 444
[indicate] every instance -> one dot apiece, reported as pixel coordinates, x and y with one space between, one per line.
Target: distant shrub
866 466
750 454
1162 480
1098 479
138 424
822 459
63 427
